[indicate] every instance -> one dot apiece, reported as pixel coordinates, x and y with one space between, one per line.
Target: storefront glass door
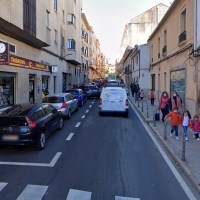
31 89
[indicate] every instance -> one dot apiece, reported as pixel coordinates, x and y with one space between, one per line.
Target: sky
109 17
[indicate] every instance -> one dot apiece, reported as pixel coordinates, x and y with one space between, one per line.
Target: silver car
63 102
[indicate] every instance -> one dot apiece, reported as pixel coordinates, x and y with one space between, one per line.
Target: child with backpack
195 125
185 122
175 121
152 96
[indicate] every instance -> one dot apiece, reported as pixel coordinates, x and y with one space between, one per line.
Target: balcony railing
164 50
182 37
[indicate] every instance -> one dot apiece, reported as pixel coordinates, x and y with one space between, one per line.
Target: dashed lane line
2 185
86 111
90 106
83 117
70 136
78 124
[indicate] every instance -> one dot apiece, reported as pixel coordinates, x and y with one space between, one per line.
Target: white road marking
125 198
33 192
90 106
51 164
86 111
83 117
78 124
2 185
93 102
78 195
70 136
167 160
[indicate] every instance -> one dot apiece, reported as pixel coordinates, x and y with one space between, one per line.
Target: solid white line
78 124
90 106
83 117
70 136
125 198
78 195
51 164
33 192
167 160
2 185
86 111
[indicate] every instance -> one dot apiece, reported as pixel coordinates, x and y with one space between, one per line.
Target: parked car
98 83
25 124
63 102
114 100
79 95
92 91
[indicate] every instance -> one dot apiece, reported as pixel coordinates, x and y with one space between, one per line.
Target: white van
113 100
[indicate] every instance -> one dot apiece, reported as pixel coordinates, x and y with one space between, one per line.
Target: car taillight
31 124
126 102
100 101
79 97
64 105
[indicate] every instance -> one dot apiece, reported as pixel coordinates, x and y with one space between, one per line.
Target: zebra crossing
37 192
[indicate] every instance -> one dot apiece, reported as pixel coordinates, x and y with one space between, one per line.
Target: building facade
172 64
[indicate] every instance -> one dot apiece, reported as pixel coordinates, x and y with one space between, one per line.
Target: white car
114 100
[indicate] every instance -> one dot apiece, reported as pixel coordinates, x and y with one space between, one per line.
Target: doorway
31 88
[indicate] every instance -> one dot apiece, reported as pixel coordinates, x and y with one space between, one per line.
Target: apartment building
41 43
85 49
173 66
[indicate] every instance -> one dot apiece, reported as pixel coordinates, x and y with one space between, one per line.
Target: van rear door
113 99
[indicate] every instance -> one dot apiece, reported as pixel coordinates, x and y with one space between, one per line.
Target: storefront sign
4 53
21 62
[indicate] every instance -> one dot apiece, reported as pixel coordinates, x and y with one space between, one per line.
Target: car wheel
126 114
82 103
69 114
61 125
42 141
100 114
77 107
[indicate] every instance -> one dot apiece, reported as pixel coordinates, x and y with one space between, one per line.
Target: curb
177 160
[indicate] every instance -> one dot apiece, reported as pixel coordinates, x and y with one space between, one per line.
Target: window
55 5
159 47
71 19
152 53
29 17
165 37
63 13
55 36
39 113
47 18
71 44
183 20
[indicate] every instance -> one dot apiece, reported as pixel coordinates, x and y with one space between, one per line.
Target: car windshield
72 91
53 99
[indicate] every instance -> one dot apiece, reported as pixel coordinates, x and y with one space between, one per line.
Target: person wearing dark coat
137 91
132 86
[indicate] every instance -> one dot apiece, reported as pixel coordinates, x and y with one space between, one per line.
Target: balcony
128 69
182 36
92 65
164 50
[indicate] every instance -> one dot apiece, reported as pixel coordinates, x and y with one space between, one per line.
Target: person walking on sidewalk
175 101
141 95
185 122
164 104
137 91
152 97
175 121
195 125
132 86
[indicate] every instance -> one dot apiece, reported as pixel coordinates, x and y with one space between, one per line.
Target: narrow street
106 157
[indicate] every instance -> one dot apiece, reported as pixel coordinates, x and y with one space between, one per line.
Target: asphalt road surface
93 157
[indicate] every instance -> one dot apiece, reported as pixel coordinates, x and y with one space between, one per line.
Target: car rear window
13 121
53 99
72 91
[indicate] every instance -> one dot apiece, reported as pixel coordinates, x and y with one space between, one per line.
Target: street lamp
65 56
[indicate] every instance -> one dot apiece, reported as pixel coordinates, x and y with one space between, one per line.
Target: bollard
154 119
165 130
142 107
183 148
147 111
138 103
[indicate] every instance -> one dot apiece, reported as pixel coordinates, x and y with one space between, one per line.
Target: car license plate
10 138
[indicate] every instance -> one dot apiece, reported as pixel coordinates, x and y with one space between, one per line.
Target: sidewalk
191 167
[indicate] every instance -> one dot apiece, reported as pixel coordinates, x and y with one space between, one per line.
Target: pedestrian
195 125
132 87
185 122
122 82
137 91
175 120
175 101
164 104
152 97
141 95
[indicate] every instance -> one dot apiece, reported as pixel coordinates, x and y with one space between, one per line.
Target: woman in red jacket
164 104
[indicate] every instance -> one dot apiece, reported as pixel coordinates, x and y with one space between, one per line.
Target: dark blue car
79 95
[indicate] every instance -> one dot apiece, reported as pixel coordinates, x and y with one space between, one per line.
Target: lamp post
165 130
183 148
